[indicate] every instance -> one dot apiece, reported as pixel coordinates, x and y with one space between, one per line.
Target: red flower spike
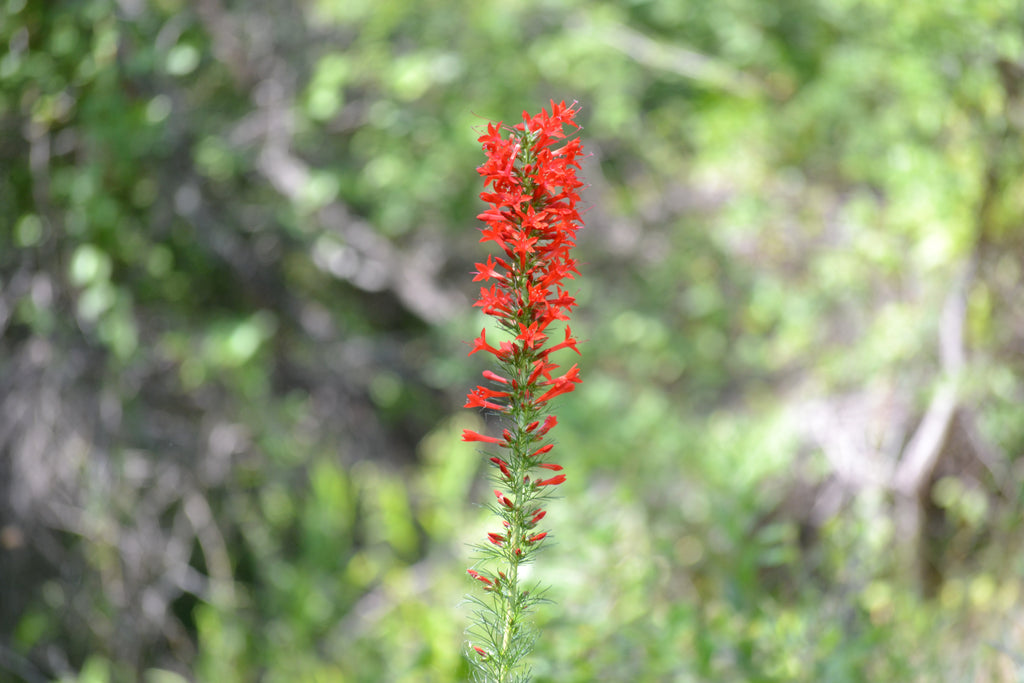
531 194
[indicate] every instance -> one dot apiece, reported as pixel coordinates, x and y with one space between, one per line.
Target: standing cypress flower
531 188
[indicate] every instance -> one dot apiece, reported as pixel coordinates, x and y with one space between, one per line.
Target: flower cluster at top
531 190
533 219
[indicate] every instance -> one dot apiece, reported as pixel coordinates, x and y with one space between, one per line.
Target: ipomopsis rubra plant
531 189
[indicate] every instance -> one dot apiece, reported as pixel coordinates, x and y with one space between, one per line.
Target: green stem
509 619
515 540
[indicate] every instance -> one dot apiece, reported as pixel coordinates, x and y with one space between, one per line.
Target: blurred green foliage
234 300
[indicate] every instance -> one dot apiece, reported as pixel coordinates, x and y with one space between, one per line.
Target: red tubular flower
469 435
480 344
542 450
493 301
487 271
558 479
531 336
479 399
503 499
503 467
541 368
549 422
494 377
561 385
569 343
479 577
